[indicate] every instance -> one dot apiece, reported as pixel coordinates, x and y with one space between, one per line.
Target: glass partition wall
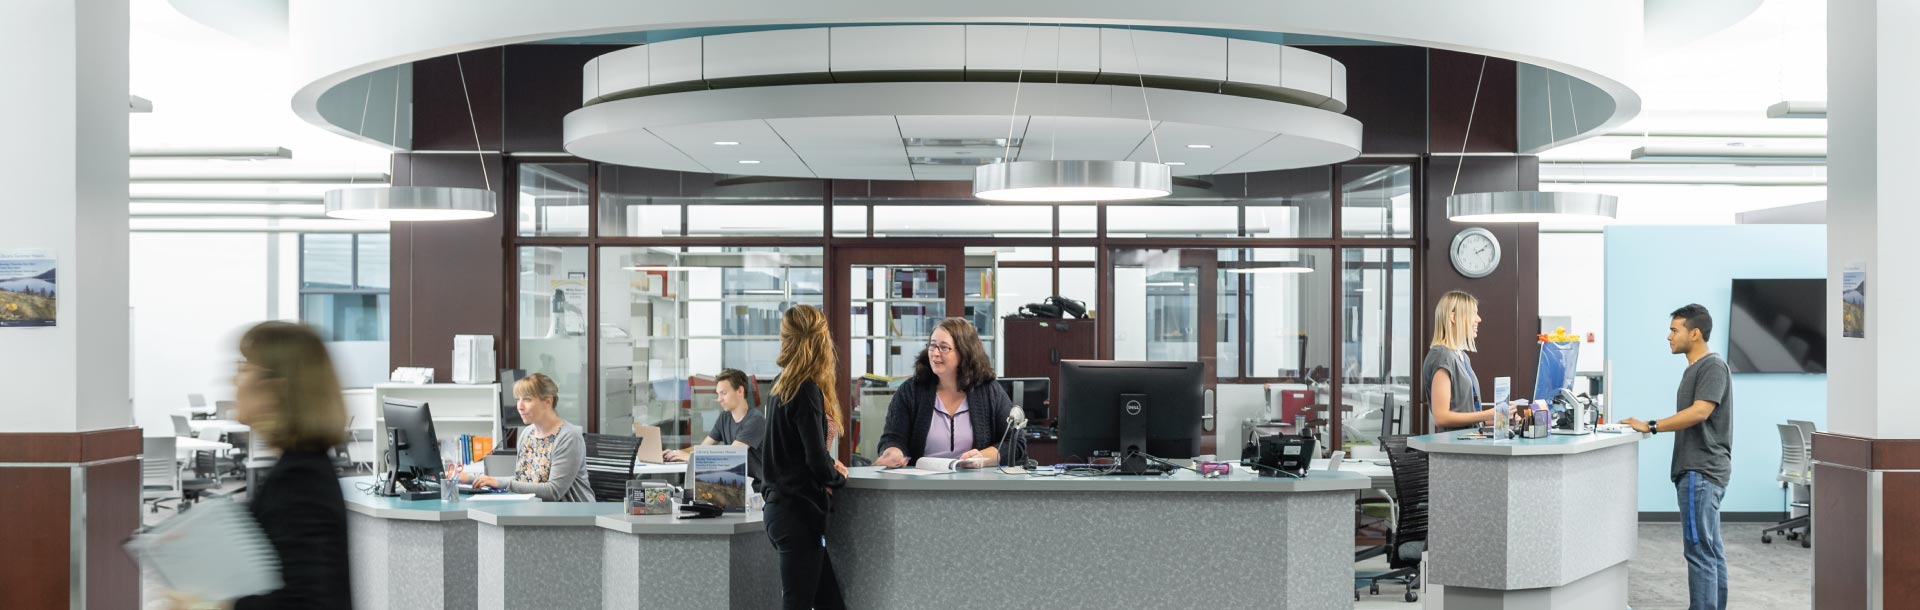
637 286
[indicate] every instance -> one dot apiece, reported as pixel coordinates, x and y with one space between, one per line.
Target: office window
641 202
1376 201
553 322
553 200
671 318
1376 289
344 284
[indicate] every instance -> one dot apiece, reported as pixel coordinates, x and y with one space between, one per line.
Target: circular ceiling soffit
943 130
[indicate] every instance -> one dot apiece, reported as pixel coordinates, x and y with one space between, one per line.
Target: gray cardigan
567 481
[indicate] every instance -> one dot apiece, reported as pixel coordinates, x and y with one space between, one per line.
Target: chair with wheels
205 481
610 465
182 428
1796 474
1408 538
159 474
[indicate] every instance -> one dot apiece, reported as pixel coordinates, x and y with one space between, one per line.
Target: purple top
949 435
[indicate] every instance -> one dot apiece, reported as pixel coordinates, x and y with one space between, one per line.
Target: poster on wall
1853 300
26 288
569 311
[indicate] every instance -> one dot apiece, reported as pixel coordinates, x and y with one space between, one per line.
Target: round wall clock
1475 252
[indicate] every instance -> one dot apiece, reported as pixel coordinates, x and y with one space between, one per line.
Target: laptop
650 449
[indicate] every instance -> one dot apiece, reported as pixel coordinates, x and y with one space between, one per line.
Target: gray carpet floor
1761 576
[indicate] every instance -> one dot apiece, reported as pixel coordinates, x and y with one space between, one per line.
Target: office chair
206 479
159 475
1796 471
197 406
235 462
223 409
182 428
610 465
1408 539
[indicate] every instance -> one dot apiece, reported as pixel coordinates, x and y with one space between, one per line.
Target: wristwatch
1653 426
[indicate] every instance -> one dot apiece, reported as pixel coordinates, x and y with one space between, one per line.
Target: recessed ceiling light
726 143
1176 163
1199 146
749 162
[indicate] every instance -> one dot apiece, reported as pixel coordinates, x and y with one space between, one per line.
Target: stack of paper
214 551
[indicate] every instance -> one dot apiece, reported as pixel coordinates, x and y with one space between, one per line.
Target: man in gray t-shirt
1702 427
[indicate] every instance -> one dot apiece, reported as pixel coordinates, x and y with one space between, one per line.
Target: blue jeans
1706 554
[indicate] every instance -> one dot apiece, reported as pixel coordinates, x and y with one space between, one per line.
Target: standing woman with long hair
287 392
800 468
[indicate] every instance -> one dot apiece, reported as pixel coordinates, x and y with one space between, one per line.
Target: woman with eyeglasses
951 408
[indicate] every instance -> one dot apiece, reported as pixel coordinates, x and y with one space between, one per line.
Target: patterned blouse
535 464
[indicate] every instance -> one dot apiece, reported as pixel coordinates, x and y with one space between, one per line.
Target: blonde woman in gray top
1453 391
552 453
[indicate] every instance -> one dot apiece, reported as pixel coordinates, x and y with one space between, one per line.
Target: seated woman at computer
739 423
553 453
1452 388
951 408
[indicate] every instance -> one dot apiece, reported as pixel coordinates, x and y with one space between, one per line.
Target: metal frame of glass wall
849 210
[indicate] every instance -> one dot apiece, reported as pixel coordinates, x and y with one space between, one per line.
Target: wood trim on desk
69 447
1866 453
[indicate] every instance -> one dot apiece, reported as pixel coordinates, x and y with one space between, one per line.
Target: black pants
806 572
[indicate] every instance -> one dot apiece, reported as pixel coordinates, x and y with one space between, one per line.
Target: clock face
1475 252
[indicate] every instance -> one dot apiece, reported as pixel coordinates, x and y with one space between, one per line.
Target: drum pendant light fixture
1054 181
418 203
1522 206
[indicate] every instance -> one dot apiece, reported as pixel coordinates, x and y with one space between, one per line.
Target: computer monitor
1031 393
510 412
1130 407
415 450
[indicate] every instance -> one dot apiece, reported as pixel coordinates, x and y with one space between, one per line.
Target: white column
63 161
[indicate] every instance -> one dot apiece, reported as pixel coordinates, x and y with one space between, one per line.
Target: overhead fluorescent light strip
240 153
1798 110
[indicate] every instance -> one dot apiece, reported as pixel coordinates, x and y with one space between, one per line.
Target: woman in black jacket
952 408
286 391
801 472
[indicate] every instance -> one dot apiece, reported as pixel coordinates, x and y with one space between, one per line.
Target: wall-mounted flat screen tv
1778 326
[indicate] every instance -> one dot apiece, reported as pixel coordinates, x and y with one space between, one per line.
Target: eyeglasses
939 348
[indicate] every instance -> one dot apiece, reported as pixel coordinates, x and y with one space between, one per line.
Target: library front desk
1532 523
979 539
530 554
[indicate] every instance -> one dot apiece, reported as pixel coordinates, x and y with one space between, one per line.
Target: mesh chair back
180 426
206 465
156 463
610 464
1410 490
1793 455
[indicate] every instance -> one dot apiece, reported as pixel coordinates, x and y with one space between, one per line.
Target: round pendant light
1056 181
1530 206
410 203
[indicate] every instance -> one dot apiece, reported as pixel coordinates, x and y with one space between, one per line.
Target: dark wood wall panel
543 85
113 513
1387 93
447 276
1900 538
1840 552
1509 298
440 120
33 570
89 446
1451 80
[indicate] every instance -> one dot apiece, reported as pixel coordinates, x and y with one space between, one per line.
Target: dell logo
1133 407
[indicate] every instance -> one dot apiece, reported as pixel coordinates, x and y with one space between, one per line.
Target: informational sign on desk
27 288
720 476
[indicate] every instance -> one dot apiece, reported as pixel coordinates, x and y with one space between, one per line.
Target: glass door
894 298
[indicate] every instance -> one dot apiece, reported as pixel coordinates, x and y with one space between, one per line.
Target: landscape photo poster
1853 300
720 476
27 293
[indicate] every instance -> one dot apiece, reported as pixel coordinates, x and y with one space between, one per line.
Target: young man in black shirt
1702 453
